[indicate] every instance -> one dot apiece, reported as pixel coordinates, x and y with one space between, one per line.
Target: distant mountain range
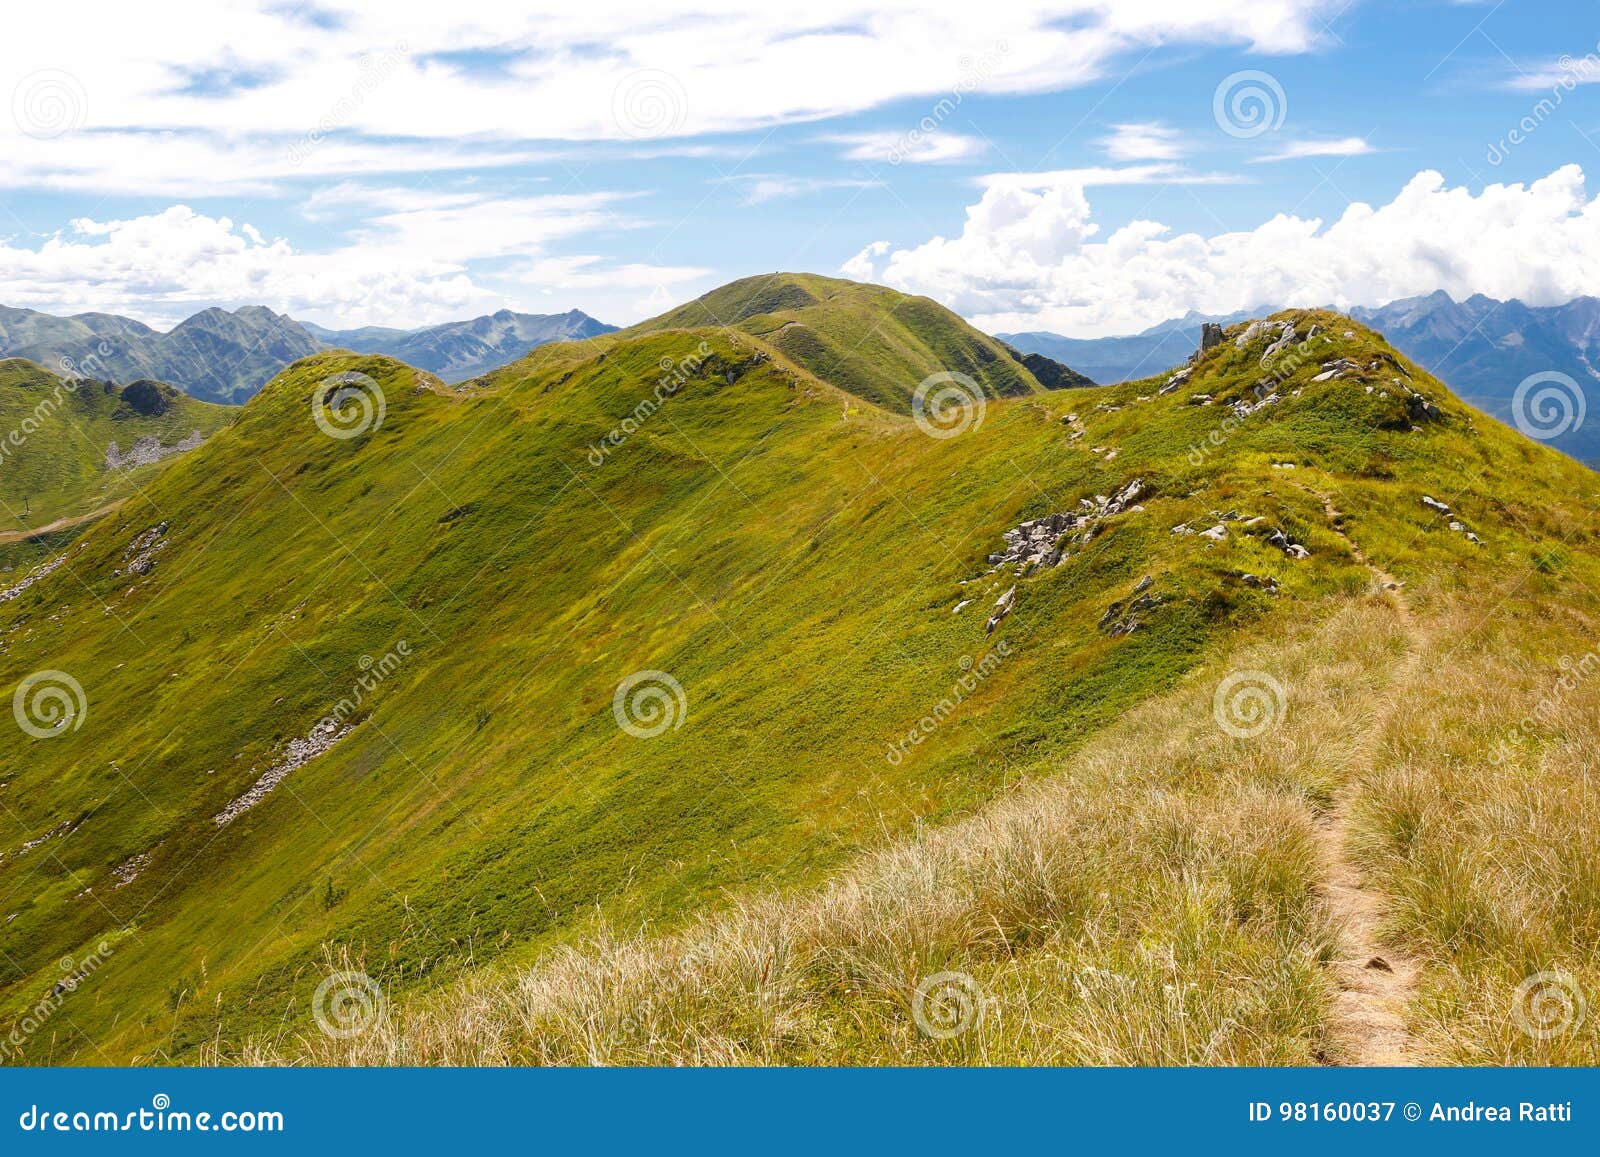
459 350
222 356
1482 348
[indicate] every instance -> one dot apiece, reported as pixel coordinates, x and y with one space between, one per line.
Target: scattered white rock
299 752
42 571
1288 545
1041 542
129 870
140 555
1002 608
148 450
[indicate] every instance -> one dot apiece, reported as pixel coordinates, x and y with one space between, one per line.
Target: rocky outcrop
1122 617
1002 608
148 450
1210 335
1454 522
1421 409
130 869
1044 542
299 752
140 556
1287 544
43 570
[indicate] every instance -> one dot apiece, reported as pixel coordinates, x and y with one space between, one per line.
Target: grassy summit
675 629
865 339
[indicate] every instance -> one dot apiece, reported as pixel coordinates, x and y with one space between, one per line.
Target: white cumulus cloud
1031 256
161 267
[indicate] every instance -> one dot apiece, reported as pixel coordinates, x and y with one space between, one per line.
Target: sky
1087 167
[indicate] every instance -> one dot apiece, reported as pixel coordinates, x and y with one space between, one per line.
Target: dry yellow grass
1159 900
1153 903
1484 834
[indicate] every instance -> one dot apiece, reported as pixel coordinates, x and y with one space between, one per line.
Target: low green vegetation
870 341
857 786
55 436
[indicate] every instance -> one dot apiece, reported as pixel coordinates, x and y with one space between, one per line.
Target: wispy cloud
1297 150
762 187
1105 176
933 148
1144 141
1567 73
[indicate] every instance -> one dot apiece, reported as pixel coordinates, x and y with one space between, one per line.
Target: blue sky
1077 167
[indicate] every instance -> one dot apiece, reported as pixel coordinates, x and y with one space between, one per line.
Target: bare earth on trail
1367 1022
9 536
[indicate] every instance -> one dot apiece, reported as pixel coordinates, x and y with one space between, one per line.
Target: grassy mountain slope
866 339
813 572
55 435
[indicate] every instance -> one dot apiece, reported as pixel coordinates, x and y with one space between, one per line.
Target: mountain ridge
1484 347
432 703
224 356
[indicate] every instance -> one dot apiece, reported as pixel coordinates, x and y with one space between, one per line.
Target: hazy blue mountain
459 350
1486 348
1120 359
223 356
215 355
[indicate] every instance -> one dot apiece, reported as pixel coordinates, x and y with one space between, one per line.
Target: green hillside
661 698
55 437
866 339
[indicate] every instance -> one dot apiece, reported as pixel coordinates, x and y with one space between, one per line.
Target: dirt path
8 536
1376 981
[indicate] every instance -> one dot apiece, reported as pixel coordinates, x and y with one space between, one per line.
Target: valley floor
1381 875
